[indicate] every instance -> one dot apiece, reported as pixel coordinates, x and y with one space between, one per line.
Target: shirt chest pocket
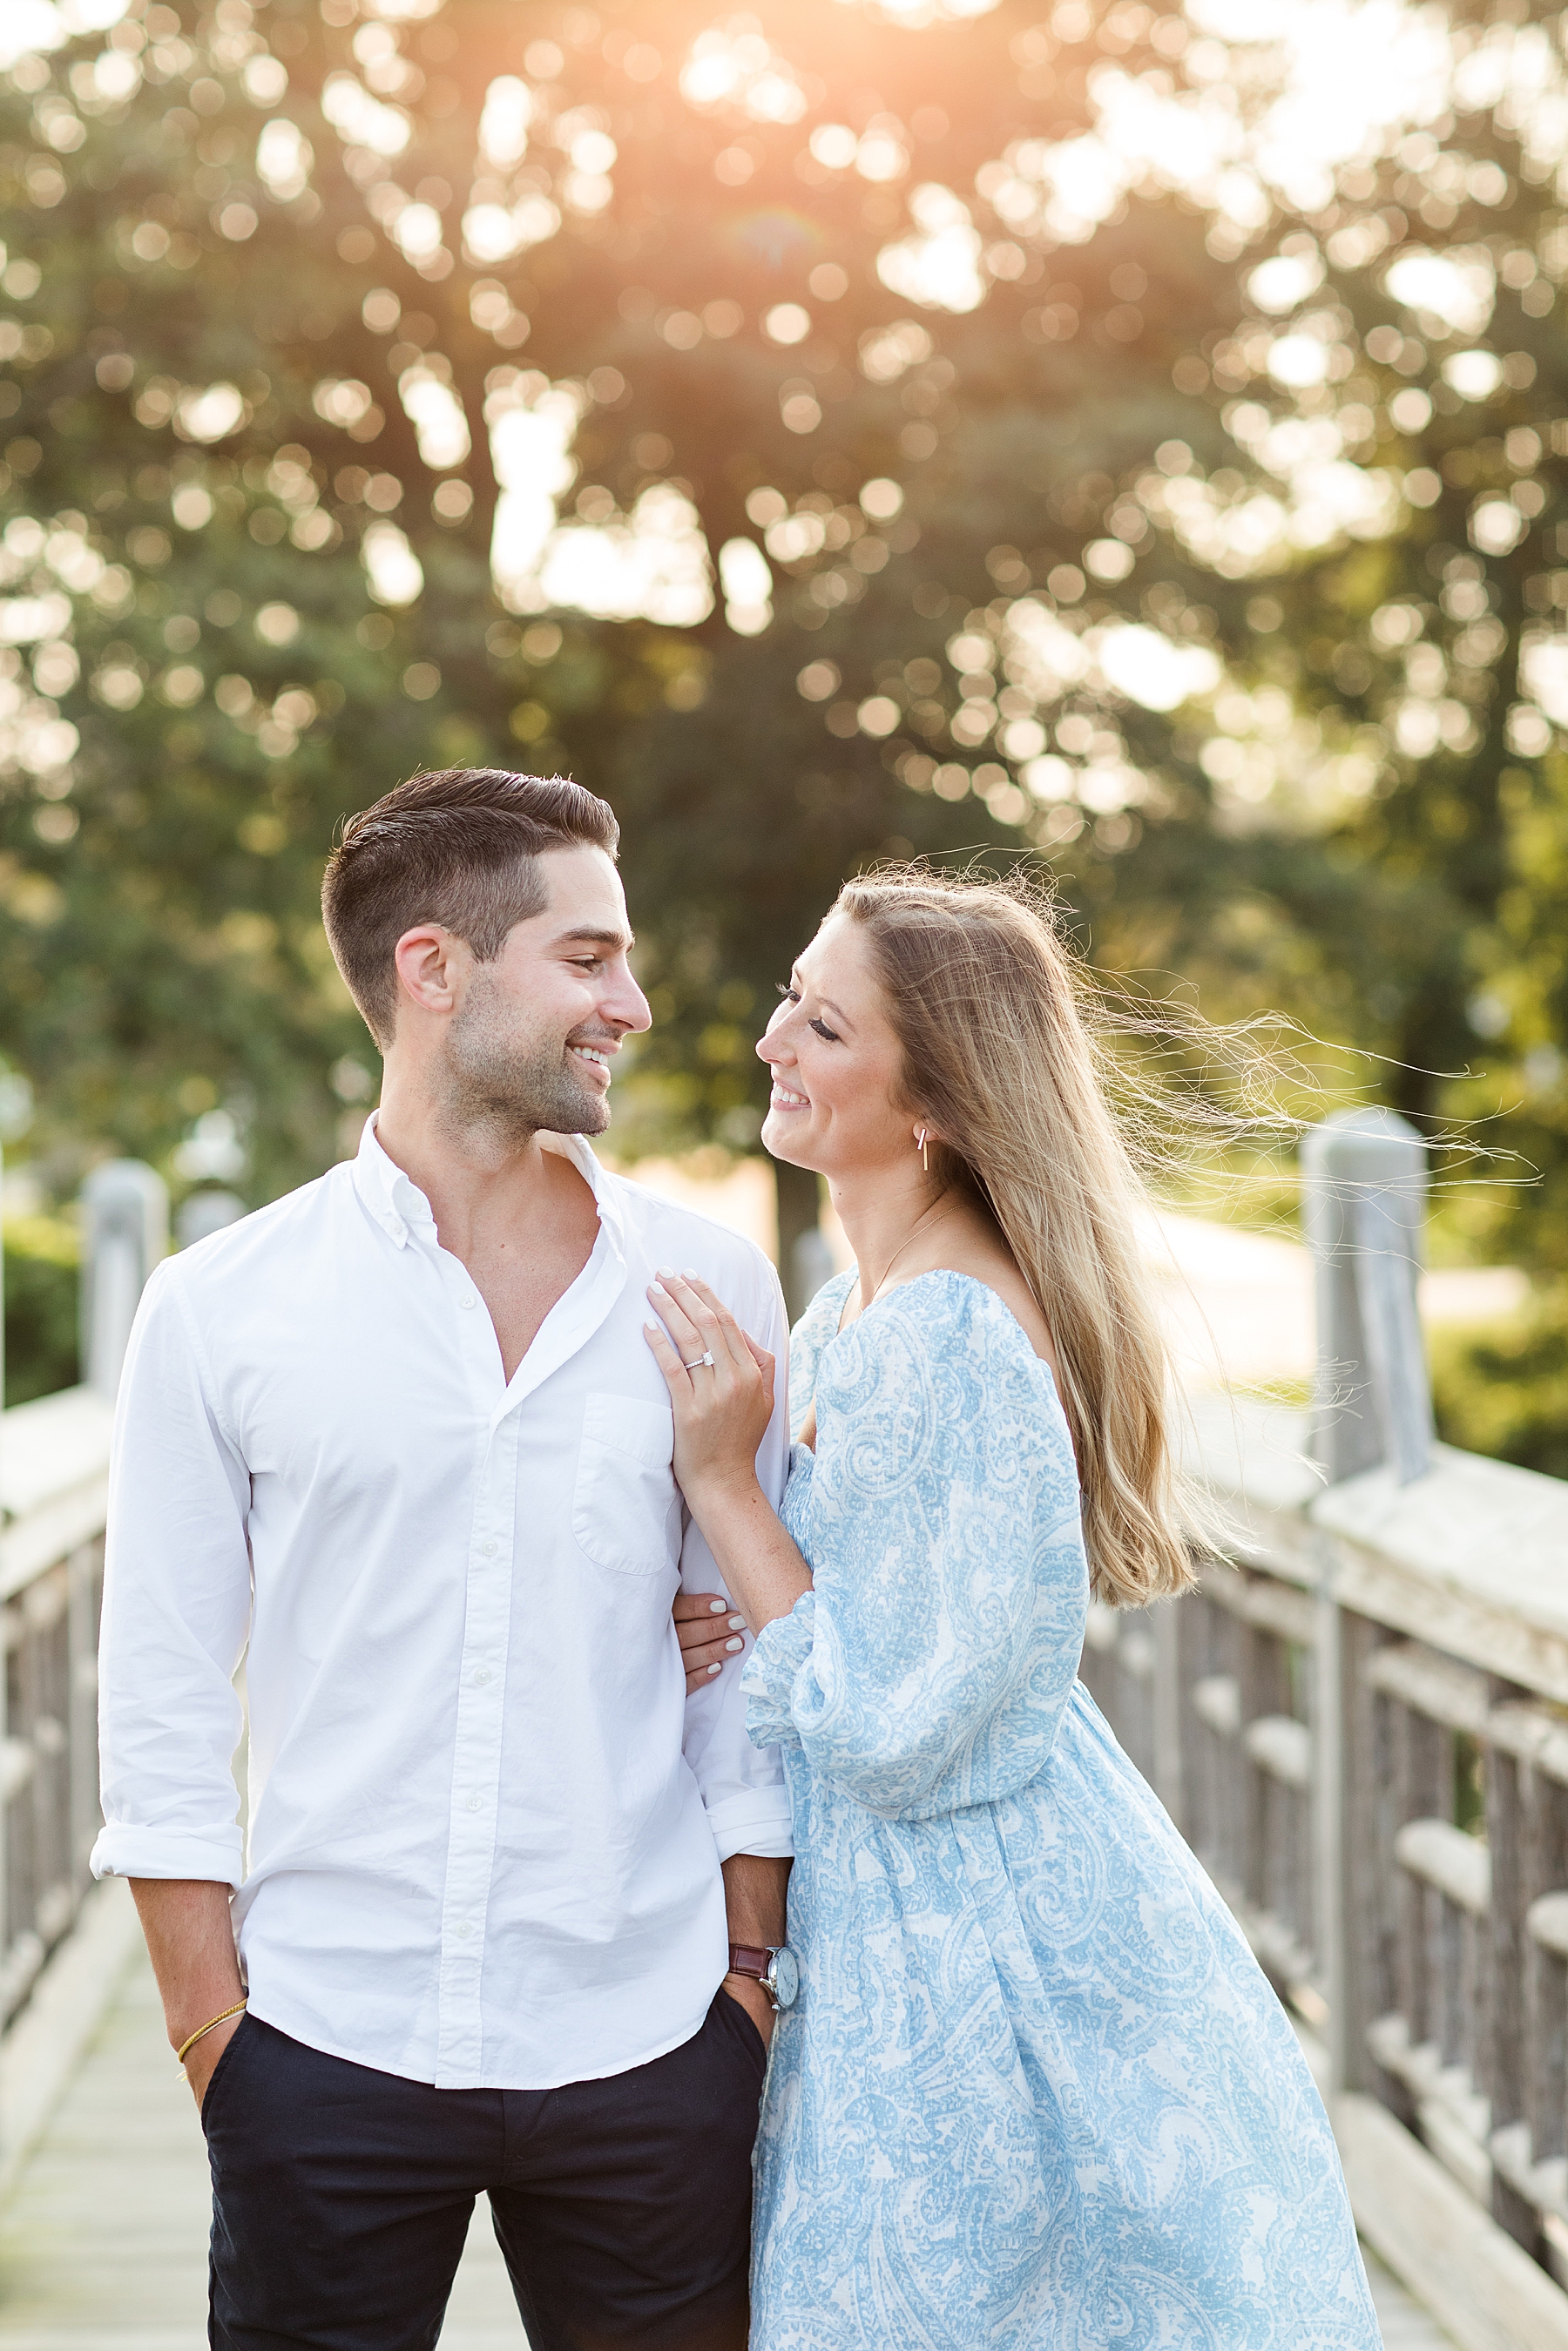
626 1510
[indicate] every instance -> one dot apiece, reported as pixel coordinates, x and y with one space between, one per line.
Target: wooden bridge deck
103 2244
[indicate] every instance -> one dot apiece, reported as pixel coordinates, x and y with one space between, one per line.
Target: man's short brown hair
459 847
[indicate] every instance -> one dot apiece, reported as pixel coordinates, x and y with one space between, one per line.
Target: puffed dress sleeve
929 1667
811 1335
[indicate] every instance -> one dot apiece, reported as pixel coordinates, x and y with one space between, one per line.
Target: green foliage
1416 646
1352 810
235 689
42 1259
1504 1391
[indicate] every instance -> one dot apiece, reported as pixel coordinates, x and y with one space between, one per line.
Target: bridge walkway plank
103 2247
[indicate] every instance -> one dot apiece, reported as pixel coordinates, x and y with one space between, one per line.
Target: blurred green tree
239 630
1398 758
1064 493
42 1255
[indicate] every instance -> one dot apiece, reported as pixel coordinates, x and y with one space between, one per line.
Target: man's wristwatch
775 1969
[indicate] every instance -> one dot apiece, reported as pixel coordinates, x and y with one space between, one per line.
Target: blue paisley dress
1036 2093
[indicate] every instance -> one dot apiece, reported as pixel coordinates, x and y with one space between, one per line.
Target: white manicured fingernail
689 1273
666 1272
738 1623
717 1608
732 1645
715 1669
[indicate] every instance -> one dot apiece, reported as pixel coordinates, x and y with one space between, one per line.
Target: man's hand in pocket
202 2061
748 1994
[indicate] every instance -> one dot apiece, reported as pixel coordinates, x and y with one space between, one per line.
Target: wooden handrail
1370 1755
54 1490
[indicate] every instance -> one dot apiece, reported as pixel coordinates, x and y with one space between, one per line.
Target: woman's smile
835 1103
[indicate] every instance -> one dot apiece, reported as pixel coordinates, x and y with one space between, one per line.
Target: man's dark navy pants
341 2198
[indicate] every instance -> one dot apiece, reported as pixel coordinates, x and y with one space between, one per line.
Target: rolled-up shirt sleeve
176 1611
742 1786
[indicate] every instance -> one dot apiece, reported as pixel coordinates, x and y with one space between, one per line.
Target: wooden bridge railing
54 1486
54 1466
1360 1722
54 1490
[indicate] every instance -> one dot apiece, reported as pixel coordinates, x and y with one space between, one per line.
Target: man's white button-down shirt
485 1823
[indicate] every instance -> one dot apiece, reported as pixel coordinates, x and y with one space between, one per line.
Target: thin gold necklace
905 1244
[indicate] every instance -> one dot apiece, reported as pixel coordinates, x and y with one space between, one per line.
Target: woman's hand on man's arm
710 1632
720 1383
721 1393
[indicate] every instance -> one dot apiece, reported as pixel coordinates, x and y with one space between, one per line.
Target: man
401 1433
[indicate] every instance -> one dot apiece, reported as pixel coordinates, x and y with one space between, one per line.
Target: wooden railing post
125 1207
1364 1206
1333 1836
1504 2067
1364 1199
84 1569
204 1213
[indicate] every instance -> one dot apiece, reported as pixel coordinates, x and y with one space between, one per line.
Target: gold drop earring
920 1147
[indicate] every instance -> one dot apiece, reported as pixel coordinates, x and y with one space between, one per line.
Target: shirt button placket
476 1762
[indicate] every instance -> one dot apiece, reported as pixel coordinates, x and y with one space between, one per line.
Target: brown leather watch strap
745 1959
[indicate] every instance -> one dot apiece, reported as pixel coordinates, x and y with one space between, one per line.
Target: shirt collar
399 1205
603 1191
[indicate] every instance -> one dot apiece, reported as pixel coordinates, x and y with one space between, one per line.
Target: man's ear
431 963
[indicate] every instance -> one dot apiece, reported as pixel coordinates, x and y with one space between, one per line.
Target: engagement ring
697 1362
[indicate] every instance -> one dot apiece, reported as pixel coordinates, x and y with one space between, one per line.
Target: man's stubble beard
516 1086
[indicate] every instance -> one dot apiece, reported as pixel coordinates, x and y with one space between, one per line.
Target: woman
1035 2091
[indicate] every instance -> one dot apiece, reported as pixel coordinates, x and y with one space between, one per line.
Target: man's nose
626 1007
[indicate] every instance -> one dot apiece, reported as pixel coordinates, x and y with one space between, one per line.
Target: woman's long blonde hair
988 1009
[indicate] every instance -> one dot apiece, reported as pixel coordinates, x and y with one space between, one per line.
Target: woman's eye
791 995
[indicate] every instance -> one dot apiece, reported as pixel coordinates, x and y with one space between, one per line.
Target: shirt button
467 1299
483 1676
489 1550
464 1930
476 1803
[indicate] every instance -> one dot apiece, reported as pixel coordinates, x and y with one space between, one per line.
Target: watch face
785 1975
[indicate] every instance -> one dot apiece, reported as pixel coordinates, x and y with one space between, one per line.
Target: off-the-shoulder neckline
942 1273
